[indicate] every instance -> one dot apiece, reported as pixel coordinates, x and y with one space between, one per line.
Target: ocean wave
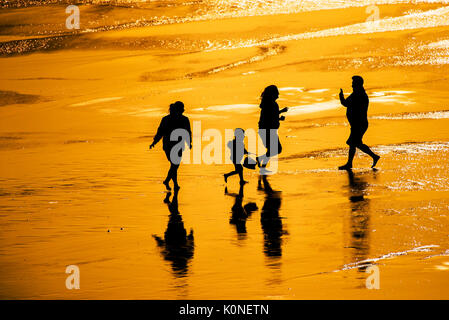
368 262
433 53
265 52
224 9
418 148
414 115
416 20
372 261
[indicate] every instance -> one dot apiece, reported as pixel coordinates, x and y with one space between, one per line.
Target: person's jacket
168 124
357 108
269 115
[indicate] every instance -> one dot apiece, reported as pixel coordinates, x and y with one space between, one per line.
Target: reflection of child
237 147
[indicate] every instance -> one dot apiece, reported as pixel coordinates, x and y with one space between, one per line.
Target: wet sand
80 187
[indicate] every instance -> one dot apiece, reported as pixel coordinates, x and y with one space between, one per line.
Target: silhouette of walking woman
177 247
269 124
357 113
175 131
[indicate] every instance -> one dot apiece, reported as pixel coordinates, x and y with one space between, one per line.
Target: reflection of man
359 218
357 113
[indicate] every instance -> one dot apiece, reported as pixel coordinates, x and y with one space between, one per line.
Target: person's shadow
270 220
240 212
177 246
359 220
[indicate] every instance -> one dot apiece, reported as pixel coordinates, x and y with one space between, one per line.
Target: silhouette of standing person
174 130
357 113
269 125
176 246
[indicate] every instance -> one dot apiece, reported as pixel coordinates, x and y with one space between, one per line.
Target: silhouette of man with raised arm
357 113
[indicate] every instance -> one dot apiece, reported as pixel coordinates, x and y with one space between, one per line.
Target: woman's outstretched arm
190 133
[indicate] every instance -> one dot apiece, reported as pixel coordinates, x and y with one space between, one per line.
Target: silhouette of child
237 147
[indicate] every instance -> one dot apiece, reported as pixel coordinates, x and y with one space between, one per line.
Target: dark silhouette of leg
259 183
171 171
239 170
369 152
167 180
351 154
270 152
174 168
375 160
167 197
269 138
172 175
227 175
262 160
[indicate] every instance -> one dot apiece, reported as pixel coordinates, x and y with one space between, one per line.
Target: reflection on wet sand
240 213
271 221
177 247
359 218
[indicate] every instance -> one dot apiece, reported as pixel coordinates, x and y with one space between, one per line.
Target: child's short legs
238 169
